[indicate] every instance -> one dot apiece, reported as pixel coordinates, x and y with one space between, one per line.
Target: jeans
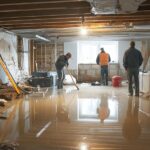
133 73
61 77
104 75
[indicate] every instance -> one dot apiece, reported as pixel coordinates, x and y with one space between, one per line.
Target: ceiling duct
114 6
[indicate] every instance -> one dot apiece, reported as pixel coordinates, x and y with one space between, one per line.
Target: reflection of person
61 62
132 60
103 109
62 112
103 59
131 127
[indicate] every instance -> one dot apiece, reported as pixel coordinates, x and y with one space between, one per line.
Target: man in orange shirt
103 59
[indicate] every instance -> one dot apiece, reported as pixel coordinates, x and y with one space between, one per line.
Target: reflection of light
87 109
83 146
83 31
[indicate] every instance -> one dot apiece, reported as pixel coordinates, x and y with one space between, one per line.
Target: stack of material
7 92
8 146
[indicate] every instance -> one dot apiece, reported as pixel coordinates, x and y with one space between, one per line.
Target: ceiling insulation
114 6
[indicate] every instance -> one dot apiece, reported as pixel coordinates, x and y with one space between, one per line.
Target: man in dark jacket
132 60
61 62
103 59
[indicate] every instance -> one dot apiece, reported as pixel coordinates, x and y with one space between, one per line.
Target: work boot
59 84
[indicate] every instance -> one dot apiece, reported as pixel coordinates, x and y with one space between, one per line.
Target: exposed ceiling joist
50 16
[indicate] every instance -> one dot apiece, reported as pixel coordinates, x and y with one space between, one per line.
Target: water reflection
103 110
98 109
62 110
131 127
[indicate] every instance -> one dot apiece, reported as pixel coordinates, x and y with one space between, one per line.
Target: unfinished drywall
44 55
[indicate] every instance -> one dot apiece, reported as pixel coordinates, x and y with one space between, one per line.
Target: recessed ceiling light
83 31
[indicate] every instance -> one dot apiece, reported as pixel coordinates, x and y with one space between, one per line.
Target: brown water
96 118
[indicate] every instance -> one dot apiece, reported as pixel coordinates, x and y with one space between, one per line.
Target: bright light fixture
83 31
42 38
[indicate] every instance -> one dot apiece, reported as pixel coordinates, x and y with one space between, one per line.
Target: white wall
72 48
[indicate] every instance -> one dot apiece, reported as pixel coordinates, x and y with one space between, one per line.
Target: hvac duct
114 6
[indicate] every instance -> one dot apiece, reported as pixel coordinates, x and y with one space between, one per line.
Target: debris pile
7 92
8 146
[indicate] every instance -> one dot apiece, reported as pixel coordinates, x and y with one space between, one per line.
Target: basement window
88 51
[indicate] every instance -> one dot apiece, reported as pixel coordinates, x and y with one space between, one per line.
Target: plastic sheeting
68 80
114 6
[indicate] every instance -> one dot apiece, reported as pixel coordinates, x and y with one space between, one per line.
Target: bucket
116 81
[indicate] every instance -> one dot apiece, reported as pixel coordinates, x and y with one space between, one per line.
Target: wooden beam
43 6
57 12
144 7
68 25
69 21
5 2
42 17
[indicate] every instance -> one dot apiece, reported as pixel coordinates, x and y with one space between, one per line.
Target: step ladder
10 77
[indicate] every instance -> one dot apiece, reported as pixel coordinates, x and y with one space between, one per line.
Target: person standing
132 60
103 59
61 62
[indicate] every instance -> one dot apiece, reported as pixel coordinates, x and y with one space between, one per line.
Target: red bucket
116 81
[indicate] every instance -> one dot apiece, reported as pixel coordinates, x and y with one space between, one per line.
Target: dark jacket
132 58
61 62
98 58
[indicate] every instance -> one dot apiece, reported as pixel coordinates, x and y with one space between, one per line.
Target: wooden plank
58 12
47 5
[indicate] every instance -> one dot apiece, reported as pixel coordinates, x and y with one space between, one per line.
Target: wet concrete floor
91 118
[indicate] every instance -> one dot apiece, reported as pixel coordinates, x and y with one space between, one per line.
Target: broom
72 79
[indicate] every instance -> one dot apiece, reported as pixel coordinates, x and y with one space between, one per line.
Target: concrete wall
8 50
91 72
8 47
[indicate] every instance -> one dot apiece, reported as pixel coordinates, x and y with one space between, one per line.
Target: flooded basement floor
92 118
